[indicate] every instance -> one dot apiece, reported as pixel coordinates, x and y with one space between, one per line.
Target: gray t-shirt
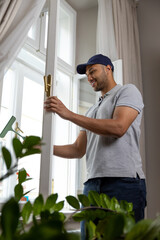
109 156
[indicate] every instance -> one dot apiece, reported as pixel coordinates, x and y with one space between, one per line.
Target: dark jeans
129 189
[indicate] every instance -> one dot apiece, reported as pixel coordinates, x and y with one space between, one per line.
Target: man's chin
97 89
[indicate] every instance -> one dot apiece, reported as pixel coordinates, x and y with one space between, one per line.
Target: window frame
68 69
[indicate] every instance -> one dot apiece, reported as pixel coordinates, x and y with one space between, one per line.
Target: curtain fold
16 32
8 11
127 40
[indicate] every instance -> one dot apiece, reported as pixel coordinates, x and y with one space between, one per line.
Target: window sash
38 66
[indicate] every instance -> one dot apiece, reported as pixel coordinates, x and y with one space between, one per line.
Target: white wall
86 34
148 21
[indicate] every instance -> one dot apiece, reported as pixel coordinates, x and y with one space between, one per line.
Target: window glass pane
31 60
33 31
7 87
81 162
2 170
7 102
32 106
46 30
65 36
60 166
31 124
33 35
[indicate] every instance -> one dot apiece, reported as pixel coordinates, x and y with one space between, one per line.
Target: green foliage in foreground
106 219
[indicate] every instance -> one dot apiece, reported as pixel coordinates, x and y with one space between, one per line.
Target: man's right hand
53 104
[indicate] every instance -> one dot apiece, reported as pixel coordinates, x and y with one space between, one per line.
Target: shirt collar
114 89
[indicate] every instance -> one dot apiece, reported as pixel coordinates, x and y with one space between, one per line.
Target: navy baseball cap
96 59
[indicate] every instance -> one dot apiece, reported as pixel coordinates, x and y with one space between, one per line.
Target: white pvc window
23 92
66 34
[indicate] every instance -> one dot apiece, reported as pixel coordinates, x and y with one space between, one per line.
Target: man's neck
112 85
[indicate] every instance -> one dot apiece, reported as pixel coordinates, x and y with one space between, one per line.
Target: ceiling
82 4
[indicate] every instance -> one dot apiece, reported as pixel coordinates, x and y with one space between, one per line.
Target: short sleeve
130 96
81 128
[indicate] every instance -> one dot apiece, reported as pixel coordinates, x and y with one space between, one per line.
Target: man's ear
108 67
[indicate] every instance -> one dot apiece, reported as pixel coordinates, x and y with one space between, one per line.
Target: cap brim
81 68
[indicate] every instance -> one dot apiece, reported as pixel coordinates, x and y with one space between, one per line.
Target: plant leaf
30 152
58 206
73 235
31 141
38 205
125 206
27 179
73 202
57 216
90 230
114 205
17 146
50 202
7 157
138 232
18 191
154 230
44 216
81 216
112 228
24 194
22 175
129 223
90 215
105 200
26 212
94 198
84 200
9 218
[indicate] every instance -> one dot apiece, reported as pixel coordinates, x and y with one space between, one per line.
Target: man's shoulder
129 95
128 88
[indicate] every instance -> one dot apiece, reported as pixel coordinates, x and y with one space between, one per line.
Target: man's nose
90 78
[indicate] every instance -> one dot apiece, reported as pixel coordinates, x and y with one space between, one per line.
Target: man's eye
92 71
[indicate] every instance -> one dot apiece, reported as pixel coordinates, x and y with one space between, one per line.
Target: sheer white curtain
15 22
118 37
106 43
127 40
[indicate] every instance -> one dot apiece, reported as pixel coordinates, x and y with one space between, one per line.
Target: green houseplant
105 218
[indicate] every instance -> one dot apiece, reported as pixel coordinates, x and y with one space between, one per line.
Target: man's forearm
106 127
116 126
66 151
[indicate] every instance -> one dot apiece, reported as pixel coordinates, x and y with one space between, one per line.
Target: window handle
48 84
